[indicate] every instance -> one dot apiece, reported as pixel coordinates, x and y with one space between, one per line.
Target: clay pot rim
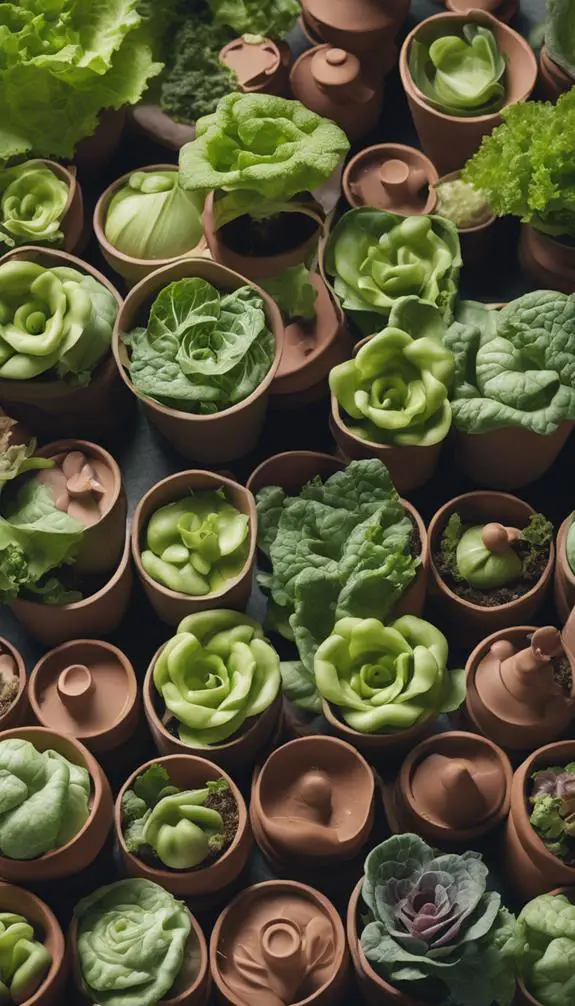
319 455
148 128
519 796
98 223
132 690
185 268
336 415
451 176
313 358
7 647
98 787
91 450
562 560
282 887
478 16
50 925
400 148
546 60
137 531
435 527
332 715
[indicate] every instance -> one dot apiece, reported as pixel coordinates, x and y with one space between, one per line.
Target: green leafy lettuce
293 292
560 34
553 809
545 951
460 74
24 961
33 203
17 457
195 79
461 203
269 18
570 545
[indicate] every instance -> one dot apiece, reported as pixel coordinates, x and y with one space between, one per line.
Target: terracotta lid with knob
330 82
83 487
86 689
256 62
393 177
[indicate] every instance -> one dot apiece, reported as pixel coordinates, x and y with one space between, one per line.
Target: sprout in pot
396 388
376 257
33 201
553 815
215 675
545 949
182 829
462 203
459 70
489 564
202 351
132 943
44 802
152 217
16 452
196 545
386 678
341 548
434 930
24 960
9 682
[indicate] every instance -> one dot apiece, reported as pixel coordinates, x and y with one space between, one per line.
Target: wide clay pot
471 622
210 439
171 605
95 152
359 27
331 82
530 868
510 457
16 713
548 262
83 848
564 577
131 269
52 408
503 10
201 887
261 66
95 616
265 936
392 177
17 901
477 240
148 119
553 80
450 140
72 224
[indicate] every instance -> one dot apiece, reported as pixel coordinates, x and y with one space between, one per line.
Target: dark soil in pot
275 235
498 595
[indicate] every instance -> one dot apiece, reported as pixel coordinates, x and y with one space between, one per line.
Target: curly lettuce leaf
270 18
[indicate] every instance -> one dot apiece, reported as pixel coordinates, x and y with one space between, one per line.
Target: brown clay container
170 605
280 941
260 65
95 152
363 26
530 867
450 140
209 439
96 615
553 80
331 83
503 10
16 900
477 240
510 457
468 621
202 887
54 408
564 578
548 262
380 749
147 119
83 848
72 225
12 663
393 177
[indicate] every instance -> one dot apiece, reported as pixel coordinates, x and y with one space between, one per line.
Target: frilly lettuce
270 18
293 292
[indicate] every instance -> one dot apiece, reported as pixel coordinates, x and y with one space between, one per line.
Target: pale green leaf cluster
570 545
16 458
24 961
293 292
152 217
546 949
483 568
269 18
461 203
460 73
33 203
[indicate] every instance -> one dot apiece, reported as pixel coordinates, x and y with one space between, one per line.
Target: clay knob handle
498 538
338 73
282 948
546 642
394 175
458 779
75 686
315 791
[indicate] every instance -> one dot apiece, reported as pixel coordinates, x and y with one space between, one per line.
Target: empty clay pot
360 27
477 240
72 224
471 622
260 65
83 848
280 941
95 152
510 457
52 408
331 83
549 262
147 119
564 577
529 866
392 177
170 605
512 695
96 615
553 80
17 901
503 10
450 140
201 887
14 691
210 439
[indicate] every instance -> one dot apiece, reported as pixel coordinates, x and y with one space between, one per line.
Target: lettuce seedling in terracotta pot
545 946
557 55
33 968
468 208
40 203
13 686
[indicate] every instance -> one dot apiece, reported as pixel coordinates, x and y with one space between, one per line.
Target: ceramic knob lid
81 486
254 60
339 74
459 792
391 177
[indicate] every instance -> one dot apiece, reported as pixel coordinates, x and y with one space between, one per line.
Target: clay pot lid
83 484
254 60
393 177
304 341
503 10
85 689
334 71
357 17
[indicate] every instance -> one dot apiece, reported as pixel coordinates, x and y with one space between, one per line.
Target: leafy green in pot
33 201
545 949
269 18
293 292
460 73
16 457
24 961
560 34
151 217
570 545
553 810
461 203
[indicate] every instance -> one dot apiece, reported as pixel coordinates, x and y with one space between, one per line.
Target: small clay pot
147 119
529 866
210 439
17 901
94 616
450 140
83 848
170 605
477 240
359 27
564 577
53 408
16 714
95 152
553 80
549 262
472 622
260 65
392 177
131 269
282 937
509 457
503 10
201 887
331 83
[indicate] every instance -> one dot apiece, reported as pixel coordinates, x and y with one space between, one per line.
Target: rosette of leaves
376 258
217 672
33 202
434 930
24 961
52 322
396 387
460 73
462 203
132 938
553 815
43 800
384 678
545 949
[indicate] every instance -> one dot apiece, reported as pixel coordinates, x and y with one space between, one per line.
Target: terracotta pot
17 712
383 749
16 900
503 10
530 867
95 152
450 140
131 269
472 622
393 177
271 920
331 83
553 80
209 439
94 616
477 240
170 605
510 457
52 408
260 65
83 848
564 577
202 888
548 262
365 25
150 121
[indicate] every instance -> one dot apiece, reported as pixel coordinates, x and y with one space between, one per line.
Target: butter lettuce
460 71
545 949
